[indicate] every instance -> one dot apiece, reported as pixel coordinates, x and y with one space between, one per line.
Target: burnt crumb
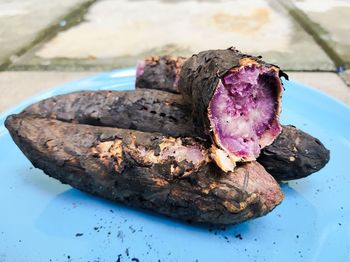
135 259
133 230
97 228
111 211
68 256
297 236
215 233
127 251
239 236
109 232
274 242
31 168
19 240
119 258
227 240
341 208
339 224
78 234
120 235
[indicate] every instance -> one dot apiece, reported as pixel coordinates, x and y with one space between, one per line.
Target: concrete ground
71 39
18 86
25 23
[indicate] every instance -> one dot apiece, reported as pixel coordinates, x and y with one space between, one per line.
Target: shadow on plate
72 209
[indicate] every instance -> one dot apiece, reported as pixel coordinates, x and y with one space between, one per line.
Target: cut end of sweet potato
140 68
244 110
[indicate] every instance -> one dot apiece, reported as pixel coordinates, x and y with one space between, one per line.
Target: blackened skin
297 149
159 73
154 73
166 113
144 110
111 163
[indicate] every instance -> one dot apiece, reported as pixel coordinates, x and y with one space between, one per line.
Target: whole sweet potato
170 176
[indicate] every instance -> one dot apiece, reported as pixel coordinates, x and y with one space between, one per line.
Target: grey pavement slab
24 22
17 86
330 20
118 33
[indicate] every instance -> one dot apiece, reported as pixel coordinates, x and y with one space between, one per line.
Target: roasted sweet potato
171 176
294 154
235 98
160 73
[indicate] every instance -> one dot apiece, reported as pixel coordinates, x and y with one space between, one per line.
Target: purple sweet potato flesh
140 68
243 108
235 98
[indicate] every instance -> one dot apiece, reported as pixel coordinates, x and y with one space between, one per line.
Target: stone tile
330 20
22 21
17 86
117 33
329 83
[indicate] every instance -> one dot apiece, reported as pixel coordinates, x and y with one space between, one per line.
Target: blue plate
43 220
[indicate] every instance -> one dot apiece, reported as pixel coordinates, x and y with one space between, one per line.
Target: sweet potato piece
236 99
159 73
294 154
170 176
